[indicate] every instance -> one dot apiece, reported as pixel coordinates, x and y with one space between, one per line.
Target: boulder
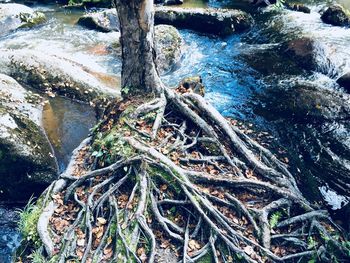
14 16
344 81
168 46
221 22
54 74
298 7
310 54
307 101
191 84
104 21
97 3
336 15
169 2
27 163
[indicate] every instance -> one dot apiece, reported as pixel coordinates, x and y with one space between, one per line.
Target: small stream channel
240 72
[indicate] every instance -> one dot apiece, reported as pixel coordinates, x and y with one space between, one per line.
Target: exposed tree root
172 173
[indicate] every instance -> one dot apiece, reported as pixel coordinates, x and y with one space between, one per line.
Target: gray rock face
336 15
53 74
14 16
311 54
168 44
307 101
221 22
27 162
344 81
105 21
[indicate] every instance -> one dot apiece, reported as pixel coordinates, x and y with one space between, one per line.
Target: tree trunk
139 72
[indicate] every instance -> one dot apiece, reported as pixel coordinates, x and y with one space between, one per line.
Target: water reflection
66 123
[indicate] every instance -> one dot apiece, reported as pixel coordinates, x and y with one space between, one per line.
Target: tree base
173 175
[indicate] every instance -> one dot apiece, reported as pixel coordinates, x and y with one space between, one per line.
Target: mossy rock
27 162
103 21
221 22
54 74
14 16
169 46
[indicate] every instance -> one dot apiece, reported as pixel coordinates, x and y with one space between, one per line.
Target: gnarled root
174 175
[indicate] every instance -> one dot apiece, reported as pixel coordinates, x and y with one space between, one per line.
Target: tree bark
139 72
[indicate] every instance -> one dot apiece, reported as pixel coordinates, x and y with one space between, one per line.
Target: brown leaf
101 221
81 242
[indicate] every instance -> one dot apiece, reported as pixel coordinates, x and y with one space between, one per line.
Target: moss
110 146
208 258
30 20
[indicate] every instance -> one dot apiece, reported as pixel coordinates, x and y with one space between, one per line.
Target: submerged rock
344 81
336 15
220 22
14 16
27 163
168 46
53 74
307 101
105 21
311 54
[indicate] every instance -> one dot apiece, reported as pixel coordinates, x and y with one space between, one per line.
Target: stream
244 77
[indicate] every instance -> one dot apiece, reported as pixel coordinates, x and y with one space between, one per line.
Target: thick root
173 174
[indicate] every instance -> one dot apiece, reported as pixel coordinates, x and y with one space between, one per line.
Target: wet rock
54 74
168 45
97 3
27 163
336 15
14 16
220 22
344 81
105 21
258 59
192 84
298 7
169 2
307 102
310 54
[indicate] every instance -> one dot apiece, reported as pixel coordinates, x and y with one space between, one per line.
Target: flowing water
244 76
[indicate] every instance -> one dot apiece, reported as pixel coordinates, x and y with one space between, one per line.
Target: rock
169 2
97 3
307 102
105 21
344 81
336 15
27 163
168 46
298 7
53 74
310 54
14 16
192 84
221 22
